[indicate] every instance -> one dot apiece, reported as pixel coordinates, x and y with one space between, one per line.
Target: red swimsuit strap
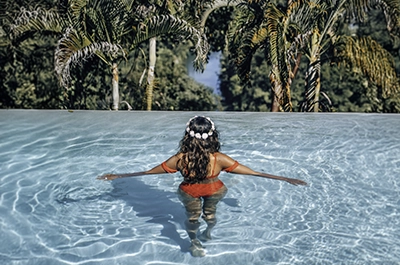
167 168
228 169
231 168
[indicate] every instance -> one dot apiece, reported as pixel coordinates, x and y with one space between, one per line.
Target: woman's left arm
241 169
226 161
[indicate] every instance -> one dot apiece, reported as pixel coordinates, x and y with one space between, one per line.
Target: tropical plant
21 84
310 28
263 25
102 28
364 53
215 21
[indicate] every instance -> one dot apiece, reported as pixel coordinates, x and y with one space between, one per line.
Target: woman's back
217 162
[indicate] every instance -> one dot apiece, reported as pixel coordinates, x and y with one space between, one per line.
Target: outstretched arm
171 163
156 170
247 171
226 161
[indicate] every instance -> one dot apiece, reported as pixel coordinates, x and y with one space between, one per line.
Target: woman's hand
295 181
108 177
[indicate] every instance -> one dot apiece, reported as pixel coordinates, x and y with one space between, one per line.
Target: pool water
54 211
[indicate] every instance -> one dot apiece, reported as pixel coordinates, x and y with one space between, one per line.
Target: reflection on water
54 211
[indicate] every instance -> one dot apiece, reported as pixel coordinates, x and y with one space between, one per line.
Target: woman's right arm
226 162
159 169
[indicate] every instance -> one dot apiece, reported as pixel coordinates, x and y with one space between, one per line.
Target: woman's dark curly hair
196 150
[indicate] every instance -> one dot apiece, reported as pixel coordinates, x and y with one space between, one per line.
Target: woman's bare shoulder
174 159
224 160
179 155
222 155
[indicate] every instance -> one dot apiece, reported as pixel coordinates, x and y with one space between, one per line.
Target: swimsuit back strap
231 168
167 168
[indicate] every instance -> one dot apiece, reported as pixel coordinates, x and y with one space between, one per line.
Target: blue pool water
54 211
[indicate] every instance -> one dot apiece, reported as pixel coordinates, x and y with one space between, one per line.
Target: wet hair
196 150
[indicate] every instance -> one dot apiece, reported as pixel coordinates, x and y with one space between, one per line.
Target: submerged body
201 197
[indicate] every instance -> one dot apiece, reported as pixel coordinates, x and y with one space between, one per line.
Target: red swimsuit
198 190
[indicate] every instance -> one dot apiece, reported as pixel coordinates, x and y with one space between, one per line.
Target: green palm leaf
36 20
168 24
72 49
374 61
244 38
391 8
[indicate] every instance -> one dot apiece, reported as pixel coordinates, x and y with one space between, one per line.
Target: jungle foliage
269 60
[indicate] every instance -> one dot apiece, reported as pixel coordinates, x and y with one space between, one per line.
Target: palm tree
262 25
324 35
309 28
107 29
252 29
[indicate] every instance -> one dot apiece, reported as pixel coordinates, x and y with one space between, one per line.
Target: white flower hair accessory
203 136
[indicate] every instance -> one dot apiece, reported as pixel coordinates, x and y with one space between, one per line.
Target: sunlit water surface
54 211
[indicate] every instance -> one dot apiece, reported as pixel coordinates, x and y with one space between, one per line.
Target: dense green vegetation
276 55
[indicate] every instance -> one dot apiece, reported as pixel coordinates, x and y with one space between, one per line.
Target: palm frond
109 18
283 49
210 7
277 43
101 20
168 24
36 20
3 14
374 61
391 9
128 4
358 9
244 37
72 49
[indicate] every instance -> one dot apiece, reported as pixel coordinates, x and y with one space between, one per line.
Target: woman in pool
200 162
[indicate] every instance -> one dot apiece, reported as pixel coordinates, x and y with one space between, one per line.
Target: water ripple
54 211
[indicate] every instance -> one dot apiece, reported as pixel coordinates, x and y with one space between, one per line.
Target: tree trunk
150 73
317 90
313 76
275 103
276 86
115 88
313 86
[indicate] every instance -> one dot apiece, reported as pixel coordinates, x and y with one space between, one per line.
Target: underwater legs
194 208
209 210
192 224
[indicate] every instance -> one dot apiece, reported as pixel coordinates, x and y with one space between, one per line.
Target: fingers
300 182
297 182
104 177
107 177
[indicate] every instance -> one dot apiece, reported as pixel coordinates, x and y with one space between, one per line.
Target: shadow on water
149 201
162 207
